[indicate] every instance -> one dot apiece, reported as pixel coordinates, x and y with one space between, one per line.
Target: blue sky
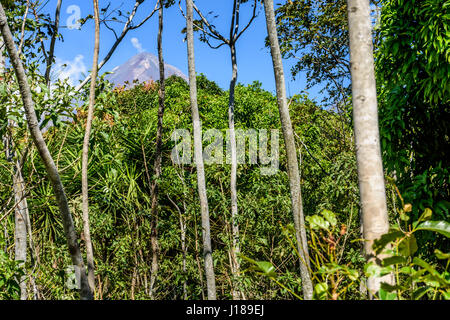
254 61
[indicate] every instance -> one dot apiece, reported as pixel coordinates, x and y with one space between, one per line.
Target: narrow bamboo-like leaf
394 260
417 294
440 255
426 215
390 288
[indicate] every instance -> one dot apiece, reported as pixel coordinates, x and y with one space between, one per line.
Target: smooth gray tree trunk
85 154
231 43
235 248
45 155
2 59
20 233
198 154
291 152
20 211
158 152
20 200
367 138
183 247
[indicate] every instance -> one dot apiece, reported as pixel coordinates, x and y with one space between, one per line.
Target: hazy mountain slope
143 67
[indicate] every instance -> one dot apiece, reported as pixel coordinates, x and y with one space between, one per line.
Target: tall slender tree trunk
182 221
235 248
158 151
367 138
184 248
198 154
2 59
85 154
20 212
291 152
20 200
45 155
20 234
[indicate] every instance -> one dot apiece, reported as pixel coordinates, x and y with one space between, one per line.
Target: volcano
142 67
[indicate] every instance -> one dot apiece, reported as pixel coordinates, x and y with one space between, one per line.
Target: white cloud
137 45
73 70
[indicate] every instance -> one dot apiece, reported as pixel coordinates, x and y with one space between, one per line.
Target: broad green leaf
384 295
431 281
434 276
404 216
320 291
407 270
317 222
329 216
425 265
266 268
374 270
380 244
353 274
442 227
408 246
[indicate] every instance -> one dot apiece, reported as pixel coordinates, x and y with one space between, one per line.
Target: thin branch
306 147
234 25
22 32
125 30
210 27
254 15
112 29
146 18
214 47
55 28
44 52
200 28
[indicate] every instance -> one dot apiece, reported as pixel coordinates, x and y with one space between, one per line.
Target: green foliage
415 277
412 58
315 33
413 70
333 278
413 75
120 176
10 273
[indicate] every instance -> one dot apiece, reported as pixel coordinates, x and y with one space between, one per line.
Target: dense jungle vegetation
146 212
